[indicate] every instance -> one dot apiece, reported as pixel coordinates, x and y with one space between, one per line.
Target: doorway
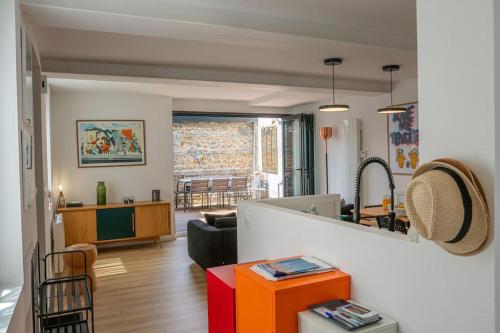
271 155
213 152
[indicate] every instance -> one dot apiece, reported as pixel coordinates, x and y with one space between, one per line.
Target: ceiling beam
269 97
208 74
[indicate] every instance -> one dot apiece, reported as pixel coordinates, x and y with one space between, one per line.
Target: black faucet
357 198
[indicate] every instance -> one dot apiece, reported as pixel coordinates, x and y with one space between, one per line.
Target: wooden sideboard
97 224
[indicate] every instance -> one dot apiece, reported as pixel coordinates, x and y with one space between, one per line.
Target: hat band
467 203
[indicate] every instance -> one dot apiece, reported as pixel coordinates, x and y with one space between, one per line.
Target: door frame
221 114
306 153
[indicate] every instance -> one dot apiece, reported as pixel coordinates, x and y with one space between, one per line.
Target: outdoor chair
238 189
196 186
219 187
180 191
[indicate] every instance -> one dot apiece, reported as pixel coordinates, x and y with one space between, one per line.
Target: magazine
347 314
359 311
291 268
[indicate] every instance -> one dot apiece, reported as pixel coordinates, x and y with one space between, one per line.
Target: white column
457 96
11 256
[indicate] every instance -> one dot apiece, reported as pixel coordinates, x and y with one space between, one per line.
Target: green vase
101 193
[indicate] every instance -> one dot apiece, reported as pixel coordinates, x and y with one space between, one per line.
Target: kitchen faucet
357 198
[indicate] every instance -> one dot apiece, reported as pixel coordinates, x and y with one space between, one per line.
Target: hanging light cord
333 83
391 88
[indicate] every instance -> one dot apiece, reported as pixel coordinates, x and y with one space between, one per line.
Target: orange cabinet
264 306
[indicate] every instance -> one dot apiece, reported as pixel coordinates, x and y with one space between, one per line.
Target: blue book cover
289 267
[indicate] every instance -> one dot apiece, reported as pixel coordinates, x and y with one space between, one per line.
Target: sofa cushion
225 222
210 218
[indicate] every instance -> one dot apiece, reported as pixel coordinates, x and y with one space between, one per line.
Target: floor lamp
326 133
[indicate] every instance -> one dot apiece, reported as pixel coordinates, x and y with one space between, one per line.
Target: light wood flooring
145 288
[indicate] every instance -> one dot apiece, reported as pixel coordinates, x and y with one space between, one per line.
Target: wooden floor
147 289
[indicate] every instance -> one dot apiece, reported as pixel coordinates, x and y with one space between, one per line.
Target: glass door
298 155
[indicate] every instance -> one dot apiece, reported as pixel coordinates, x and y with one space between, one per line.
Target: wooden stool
74 263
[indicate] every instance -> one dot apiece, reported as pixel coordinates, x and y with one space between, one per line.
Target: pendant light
333 107
391 108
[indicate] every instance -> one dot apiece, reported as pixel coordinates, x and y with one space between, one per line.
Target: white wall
327 205
450 126
497 162
420 285
47 165
374 140
80 183
18 230
209 105
10 176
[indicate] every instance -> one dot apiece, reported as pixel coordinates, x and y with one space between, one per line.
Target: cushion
210 218
77 259
225 222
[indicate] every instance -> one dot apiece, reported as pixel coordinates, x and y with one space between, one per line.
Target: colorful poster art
110 143
403 140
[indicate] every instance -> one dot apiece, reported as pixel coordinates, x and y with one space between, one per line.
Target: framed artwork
403 140
110 143
269 136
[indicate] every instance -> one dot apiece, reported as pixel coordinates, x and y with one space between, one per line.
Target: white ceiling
359 21
362 62
253 94
288 37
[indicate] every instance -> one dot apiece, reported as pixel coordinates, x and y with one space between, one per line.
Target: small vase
101 193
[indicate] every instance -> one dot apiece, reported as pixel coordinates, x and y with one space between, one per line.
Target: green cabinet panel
115 223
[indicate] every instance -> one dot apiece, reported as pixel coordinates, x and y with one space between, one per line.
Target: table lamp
61 201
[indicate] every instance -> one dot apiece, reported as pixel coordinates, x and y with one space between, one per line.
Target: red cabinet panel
221 299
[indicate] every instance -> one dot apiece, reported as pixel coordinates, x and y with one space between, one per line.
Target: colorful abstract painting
403 140
110 143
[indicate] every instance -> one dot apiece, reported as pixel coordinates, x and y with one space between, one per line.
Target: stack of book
291 268
347 314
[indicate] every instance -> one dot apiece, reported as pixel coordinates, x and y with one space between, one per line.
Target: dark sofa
210 246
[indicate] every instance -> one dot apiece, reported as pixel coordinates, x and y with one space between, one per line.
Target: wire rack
62 302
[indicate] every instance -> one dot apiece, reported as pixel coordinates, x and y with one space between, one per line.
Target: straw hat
446 203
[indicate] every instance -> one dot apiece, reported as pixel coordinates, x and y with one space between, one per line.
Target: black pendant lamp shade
391 108
333 107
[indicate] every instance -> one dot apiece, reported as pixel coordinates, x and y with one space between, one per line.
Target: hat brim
479 230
